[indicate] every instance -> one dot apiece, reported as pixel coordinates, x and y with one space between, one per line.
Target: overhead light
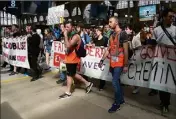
116 14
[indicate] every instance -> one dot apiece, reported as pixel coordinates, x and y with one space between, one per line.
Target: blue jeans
63 76
116 72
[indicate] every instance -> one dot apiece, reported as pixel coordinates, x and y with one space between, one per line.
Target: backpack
81 51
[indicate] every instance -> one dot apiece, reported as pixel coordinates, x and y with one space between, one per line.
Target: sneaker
135 91
26 74
152 93
59 81
88 88
13 73
114 108
165 110
65 95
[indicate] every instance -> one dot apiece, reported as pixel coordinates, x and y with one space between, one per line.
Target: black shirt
33 45
101 42
16 34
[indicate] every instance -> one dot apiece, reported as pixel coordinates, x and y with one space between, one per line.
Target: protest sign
55 14
150 67
15 51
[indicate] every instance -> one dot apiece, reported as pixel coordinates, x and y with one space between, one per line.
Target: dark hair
166 11
69 22
33 28
81 25
48 30
129 26
100 29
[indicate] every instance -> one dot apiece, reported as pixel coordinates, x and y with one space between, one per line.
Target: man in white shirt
162 38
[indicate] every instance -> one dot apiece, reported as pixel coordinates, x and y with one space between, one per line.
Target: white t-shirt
136 42
162 38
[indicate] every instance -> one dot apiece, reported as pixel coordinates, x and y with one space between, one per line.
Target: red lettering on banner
97 52
163 51
90 51
21 58
170 56
58 46
58 58
150 52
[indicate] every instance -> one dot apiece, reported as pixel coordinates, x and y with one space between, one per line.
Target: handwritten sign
15 51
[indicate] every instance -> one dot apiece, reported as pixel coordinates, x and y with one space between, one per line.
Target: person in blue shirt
84 36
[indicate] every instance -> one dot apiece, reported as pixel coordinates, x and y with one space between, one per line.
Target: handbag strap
168 35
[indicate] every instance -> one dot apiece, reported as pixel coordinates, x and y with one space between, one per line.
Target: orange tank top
70 56
116 53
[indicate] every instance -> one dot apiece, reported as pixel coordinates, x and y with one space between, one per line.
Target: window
5 21
131 4
122 5
107 3
2 21
1 14
66 13
74 11
87 11
14 20
147 2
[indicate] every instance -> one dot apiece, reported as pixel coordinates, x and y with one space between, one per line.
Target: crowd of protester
40 43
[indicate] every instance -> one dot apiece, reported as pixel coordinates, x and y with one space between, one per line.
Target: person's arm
125 47
73 42
106 53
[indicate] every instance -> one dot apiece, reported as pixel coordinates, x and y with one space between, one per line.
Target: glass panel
1 14
9 16
131 4
5 21
5 14
9 22
13 17
74 11
2 21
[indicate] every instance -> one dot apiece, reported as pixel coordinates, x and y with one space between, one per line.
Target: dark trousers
116 72
11 66
102 84
165 98
34 67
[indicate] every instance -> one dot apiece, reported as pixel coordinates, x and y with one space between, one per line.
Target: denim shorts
48 50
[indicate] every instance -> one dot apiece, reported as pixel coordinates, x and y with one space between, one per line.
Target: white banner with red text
15 51
150 67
